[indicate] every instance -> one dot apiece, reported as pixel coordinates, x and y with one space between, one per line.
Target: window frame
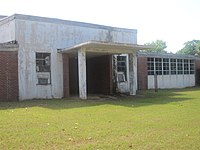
151 65
186 66
122 65
192 66
43 68
173 66
166 66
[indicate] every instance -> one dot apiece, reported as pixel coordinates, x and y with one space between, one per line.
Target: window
186 66
150 64
43 62
192 67
121 65
165 66
180 66
173 66
42 81
43 68
120 77
158 65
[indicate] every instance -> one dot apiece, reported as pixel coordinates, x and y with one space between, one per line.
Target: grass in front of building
169 119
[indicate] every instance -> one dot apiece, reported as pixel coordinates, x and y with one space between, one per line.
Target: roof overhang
105 47
9 46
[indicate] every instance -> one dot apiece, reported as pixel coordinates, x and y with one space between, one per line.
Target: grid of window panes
121 65
150 63
192 67
180 66
166 66
173 66
186 66
158 64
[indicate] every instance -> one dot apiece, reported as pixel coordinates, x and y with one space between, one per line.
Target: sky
173 21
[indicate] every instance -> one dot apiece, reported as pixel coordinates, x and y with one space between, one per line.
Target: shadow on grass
143 98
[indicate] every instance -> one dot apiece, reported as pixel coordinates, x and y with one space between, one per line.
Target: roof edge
62 21
165 55
2 16
102 43
8 45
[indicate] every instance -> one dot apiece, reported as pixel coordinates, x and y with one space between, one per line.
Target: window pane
150 66
180 66
165 66
43 68
186 66
158 66
121 65
173 66
43 81
43 62
192 68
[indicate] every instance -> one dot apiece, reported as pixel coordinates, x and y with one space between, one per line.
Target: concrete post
133 73
82 74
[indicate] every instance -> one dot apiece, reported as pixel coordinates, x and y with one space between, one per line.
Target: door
122 73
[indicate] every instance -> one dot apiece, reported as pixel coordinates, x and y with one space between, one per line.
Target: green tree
157 46
191 48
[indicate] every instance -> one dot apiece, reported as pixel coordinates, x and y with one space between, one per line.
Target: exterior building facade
52 58
170 70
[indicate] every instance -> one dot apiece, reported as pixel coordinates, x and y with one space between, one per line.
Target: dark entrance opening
99 74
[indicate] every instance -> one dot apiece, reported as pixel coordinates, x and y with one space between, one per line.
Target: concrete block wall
9 76
7 30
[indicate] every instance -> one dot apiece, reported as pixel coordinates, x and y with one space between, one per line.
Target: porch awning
105 47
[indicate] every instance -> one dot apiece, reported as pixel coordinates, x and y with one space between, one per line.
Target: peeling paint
41 35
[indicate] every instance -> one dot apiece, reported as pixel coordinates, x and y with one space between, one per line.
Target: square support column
82 74
133 73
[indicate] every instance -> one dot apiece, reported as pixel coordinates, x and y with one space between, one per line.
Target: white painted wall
34 36
7 31
172 81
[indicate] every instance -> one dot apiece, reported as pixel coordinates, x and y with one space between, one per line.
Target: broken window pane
43 68
121 65
42 62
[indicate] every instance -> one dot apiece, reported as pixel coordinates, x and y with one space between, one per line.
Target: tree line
190 47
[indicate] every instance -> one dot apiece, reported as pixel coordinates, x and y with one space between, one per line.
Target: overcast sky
174 21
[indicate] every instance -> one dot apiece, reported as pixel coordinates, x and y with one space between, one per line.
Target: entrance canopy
100 48
105 47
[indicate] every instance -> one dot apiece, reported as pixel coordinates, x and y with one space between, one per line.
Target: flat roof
165 55
105 47
61 21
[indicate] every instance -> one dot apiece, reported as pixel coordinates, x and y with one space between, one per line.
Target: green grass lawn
168 119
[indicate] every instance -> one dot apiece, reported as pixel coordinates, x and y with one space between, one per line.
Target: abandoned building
52 58
172 70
